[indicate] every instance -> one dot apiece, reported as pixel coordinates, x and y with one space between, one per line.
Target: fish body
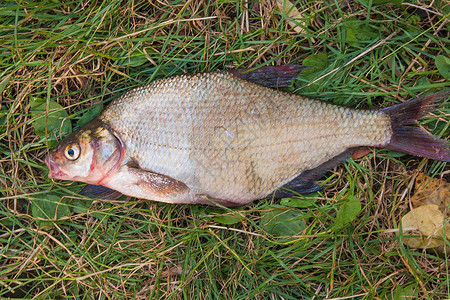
219 139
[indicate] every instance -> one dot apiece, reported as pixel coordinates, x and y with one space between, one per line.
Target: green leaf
219 215
406 291
83 207
4 82
227 219
90 114
298 202
347 213
315 62
357 32
396 2
50 207
396 154
443 6
3 114
443 66
201 211
283 222
413 19
136 59
423 81
51 125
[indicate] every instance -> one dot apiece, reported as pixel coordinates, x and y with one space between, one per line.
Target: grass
81 54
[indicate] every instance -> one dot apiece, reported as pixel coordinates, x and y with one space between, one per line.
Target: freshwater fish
228 138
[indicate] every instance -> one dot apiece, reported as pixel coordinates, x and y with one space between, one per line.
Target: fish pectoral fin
159 185
100 192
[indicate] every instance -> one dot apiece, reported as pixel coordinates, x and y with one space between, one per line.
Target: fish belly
227 138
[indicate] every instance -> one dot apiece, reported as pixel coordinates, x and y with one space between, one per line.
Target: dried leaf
426 221
295 17
176 270
361 152
431 191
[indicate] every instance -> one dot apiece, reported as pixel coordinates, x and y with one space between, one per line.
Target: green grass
81 54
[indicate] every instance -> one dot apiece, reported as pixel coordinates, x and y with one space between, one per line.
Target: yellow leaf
431 191
428 222
295 17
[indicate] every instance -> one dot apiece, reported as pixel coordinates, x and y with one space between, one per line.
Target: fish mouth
54 171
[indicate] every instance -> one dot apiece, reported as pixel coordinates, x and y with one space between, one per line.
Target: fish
229 138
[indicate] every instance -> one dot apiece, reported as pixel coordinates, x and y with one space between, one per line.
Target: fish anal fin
100 192
304 183
270 76
293 189
205 199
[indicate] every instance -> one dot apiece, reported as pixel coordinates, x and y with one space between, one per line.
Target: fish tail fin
408 138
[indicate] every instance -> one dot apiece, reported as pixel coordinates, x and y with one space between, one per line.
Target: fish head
88 155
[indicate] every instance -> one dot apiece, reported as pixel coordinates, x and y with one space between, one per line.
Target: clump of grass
81 54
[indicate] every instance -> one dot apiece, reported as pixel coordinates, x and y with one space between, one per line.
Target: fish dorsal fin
270 76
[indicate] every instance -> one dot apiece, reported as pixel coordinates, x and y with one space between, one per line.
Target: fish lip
54 171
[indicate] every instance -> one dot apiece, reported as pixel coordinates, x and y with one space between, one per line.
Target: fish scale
247 139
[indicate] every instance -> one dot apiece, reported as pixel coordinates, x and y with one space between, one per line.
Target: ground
72 58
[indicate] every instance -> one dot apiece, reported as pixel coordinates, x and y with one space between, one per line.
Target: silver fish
218 138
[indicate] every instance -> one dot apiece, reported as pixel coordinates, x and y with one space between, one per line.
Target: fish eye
72 151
